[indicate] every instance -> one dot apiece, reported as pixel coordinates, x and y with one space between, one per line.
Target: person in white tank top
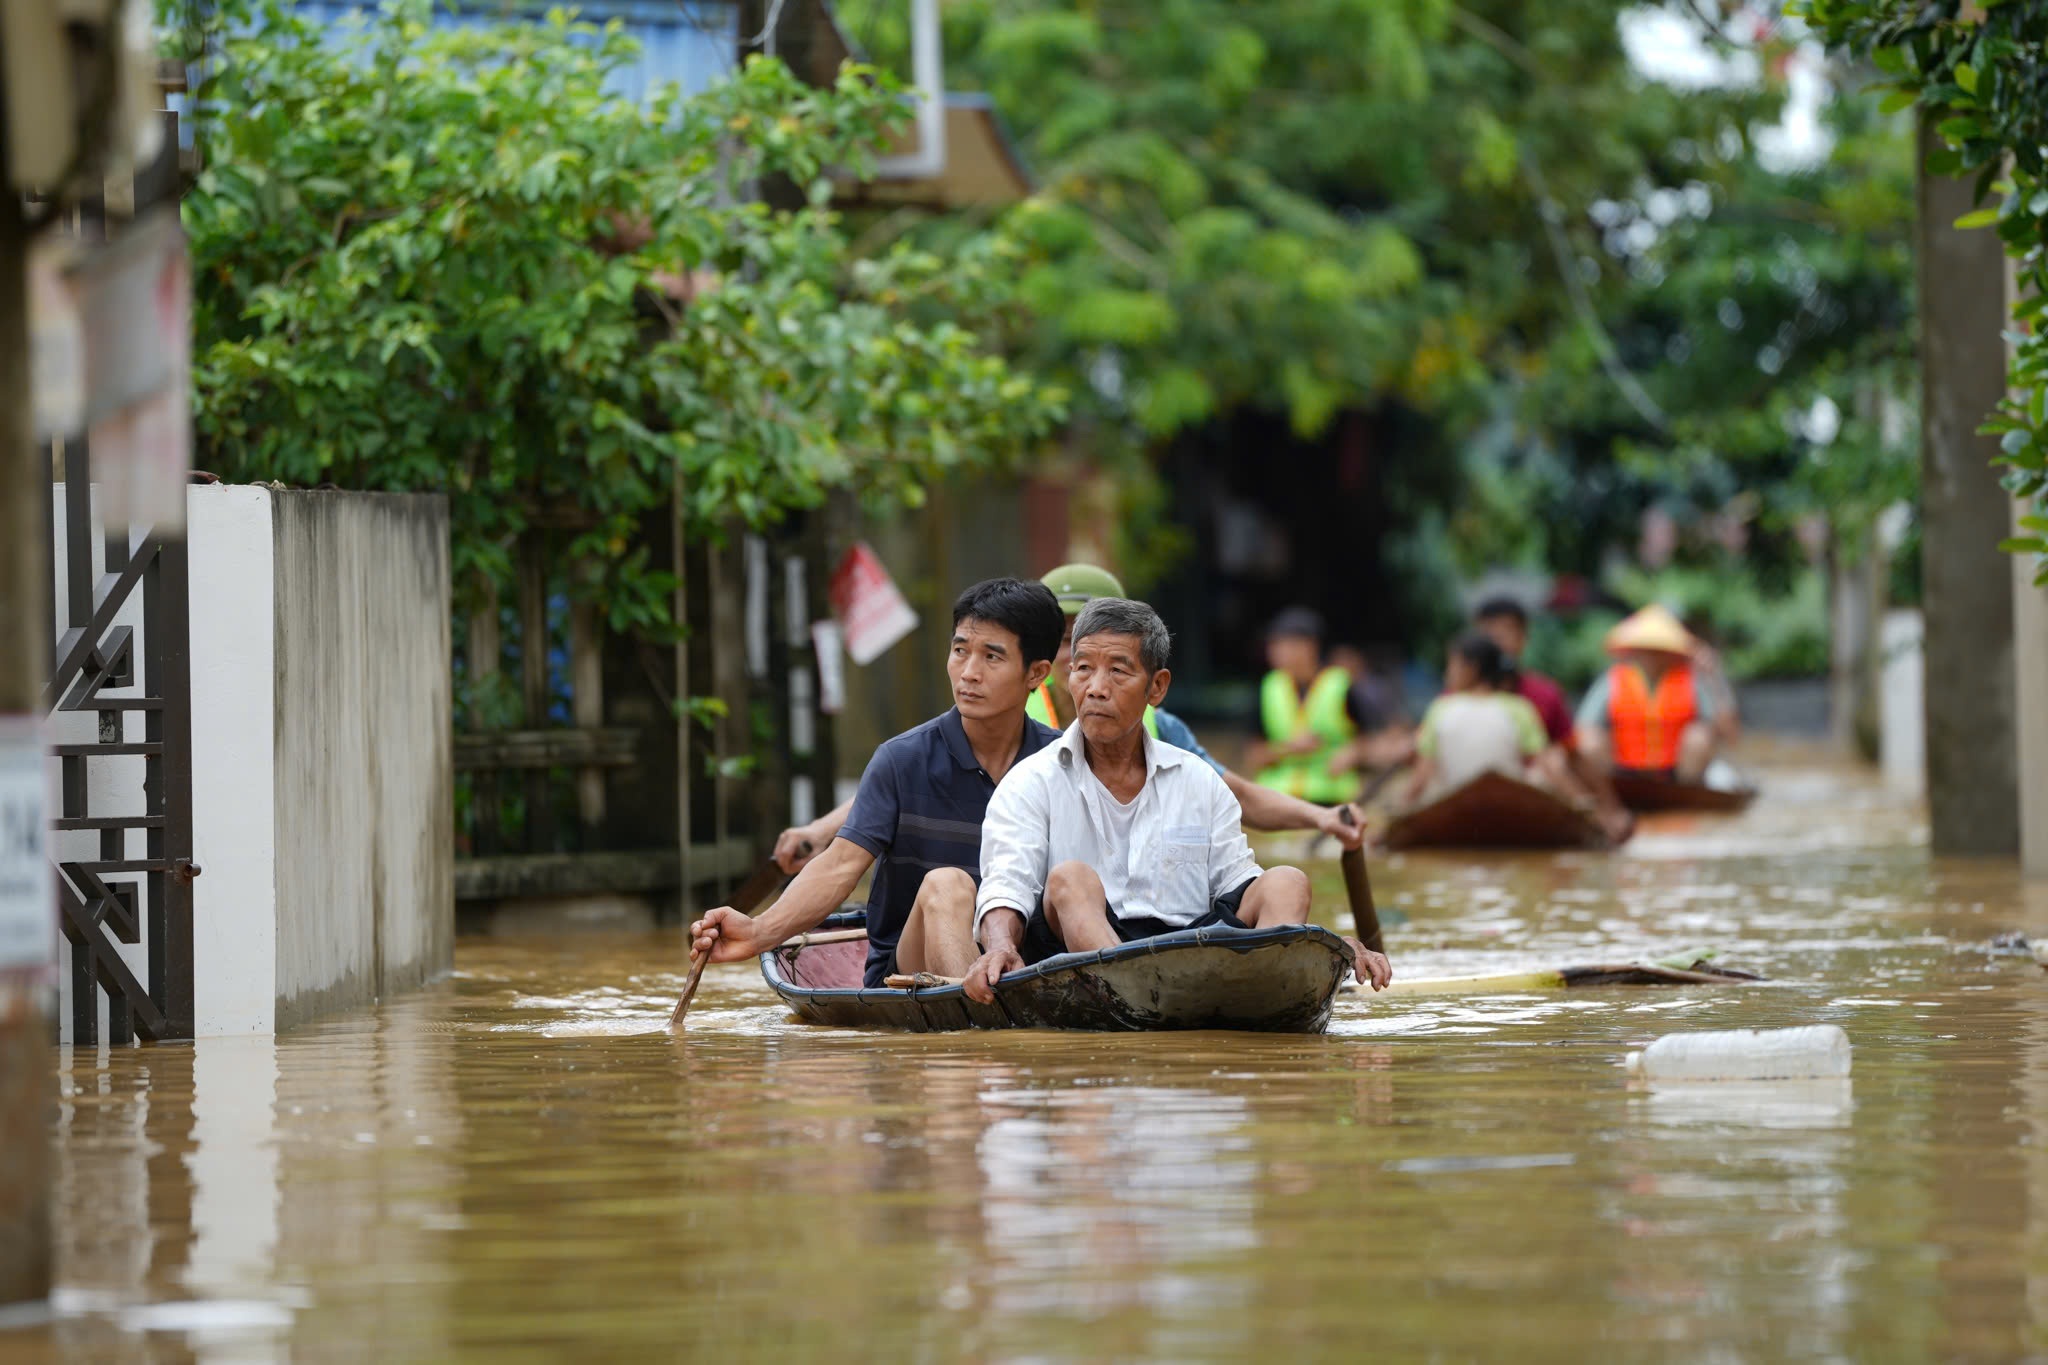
1480 723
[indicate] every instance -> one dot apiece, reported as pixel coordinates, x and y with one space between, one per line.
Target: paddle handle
1358 890
766 880
697 961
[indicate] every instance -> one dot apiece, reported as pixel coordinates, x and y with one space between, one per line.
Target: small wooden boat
1494 810
1661 792
1278 980
1698 972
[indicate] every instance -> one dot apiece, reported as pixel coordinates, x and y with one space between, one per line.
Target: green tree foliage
449 260
1982 76
1770 323
1326 205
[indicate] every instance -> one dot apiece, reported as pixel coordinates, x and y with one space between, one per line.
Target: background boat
1494 810
1656 792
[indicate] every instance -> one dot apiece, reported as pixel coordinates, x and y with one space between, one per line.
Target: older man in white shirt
1109 836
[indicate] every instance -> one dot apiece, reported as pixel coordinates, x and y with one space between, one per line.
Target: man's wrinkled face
1107 679
986 667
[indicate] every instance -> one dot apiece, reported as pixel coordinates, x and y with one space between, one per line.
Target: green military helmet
1076 585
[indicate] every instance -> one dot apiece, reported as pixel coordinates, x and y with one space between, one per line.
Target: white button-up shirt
1186 845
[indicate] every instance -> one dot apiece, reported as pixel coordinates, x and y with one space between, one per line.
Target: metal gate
135 890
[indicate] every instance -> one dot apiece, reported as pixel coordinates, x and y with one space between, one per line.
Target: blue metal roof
688 42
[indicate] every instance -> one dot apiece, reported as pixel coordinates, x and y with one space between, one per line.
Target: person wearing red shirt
1504 619
1507 622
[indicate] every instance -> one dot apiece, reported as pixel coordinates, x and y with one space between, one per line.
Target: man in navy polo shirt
919 808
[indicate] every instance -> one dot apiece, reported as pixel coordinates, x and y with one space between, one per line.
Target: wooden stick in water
1358 890
675 1021
697 961
767 878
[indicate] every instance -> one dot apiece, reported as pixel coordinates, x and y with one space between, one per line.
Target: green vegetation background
1584 293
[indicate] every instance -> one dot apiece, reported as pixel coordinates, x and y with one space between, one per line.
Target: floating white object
1813 1052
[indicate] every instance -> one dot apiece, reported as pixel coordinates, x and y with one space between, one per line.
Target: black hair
1027 609
1492 663
1494 608
1120 616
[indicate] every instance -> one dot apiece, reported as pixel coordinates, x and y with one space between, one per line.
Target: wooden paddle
764 881
697 961
1365 917
675 1021
1564 978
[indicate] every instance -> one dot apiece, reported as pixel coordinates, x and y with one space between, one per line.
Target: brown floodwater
520 1163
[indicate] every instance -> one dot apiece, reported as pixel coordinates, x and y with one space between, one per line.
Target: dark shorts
1040 942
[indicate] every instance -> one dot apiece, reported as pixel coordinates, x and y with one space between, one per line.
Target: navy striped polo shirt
919 807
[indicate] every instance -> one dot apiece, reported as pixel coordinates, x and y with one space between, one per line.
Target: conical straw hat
1652 628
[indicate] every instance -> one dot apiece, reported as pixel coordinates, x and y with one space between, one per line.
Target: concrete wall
364 776
322 773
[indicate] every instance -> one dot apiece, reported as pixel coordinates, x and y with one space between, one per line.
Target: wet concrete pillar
1972 769
27 1082
2030 657
2030 682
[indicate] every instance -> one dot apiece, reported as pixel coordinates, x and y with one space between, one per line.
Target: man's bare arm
797 845
822 887
1265 808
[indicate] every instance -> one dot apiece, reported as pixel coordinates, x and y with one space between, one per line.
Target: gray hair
1120 616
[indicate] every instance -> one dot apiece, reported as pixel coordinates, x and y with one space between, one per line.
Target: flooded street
522 1163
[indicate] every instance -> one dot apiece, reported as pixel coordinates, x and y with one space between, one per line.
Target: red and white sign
868 605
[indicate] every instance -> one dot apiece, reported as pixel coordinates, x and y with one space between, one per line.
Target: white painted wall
234 815
322 774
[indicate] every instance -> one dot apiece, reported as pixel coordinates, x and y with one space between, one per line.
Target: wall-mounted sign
868 605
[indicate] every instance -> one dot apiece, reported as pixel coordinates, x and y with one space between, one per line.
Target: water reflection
522 1163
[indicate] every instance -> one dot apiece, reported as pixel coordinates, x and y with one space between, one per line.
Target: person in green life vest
1319 725
1075 586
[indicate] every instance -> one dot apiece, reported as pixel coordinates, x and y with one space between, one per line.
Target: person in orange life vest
1647 713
